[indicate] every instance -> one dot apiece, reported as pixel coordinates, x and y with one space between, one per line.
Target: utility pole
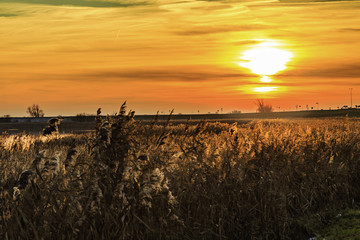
350 97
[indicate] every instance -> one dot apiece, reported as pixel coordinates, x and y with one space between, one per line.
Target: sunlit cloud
7 15
309 1
338 70
80 3
221 29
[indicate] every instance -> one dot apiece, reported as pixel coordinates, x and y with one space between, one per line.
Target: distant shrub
262 107
35 111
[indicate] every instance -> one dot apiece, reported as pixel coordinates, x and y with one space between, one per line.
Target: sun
265 59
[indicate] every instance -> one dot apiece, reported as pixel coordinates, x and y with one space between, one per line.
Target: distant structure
53 126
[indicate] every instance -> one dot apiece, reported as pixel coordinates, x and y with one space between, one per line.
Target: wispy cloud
184 74
8 15
245 42
351 29
166 75
80 3
335 71
201 30
310 1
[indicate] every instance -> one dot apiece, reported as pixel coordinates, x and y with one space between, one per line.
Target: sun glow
264 89
266 79
265 59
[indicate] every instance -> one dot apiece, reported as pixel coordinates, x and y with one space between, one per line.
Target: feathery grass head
53 126
24 179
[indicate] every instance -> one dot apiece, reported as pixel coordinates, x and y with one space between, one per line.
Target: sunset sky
74 56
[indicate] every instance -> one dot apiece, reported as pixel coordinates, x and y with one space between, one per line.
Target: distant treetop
35 111
262 107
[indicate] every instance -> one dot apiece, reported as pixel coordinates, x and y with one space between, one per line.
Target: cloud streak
172 75
311 1
351 29
222 29
80 3
337 71
8 15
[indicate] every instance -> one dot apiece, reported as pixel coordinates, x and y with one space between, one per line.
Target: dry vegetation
262 180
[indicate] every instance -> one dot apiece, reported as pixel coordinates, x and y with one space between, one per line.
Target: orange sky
73 56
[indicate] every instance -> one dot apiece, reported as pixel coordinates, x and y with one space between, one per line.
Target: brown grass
262 180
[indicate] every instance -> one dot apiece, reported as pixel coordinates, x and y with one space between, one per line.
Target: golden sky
73 56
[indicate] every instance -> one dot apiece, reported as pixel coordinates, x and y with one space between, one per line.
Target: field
262 179
86 123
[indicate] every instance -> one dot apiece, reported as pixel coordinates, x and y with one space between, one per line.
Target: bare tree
35 111
262 107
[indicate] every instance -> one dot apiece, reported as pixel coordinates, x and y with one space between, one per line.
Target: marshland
261 179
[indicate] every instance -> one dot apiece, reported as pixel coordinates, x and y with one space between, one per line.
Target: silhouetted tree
35 111
262 107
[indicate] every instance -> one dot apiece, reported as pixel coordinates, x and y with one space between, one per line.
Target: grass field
262 179
86 123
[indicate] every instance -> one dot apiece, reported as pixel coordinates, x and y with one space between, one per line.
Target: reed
274 179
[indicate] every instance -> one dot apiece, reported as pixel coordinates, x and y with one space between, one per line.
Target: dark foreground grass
36 128
260 180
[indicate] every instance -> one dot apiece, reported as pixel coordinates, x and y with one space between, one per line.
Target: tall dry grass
262 180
